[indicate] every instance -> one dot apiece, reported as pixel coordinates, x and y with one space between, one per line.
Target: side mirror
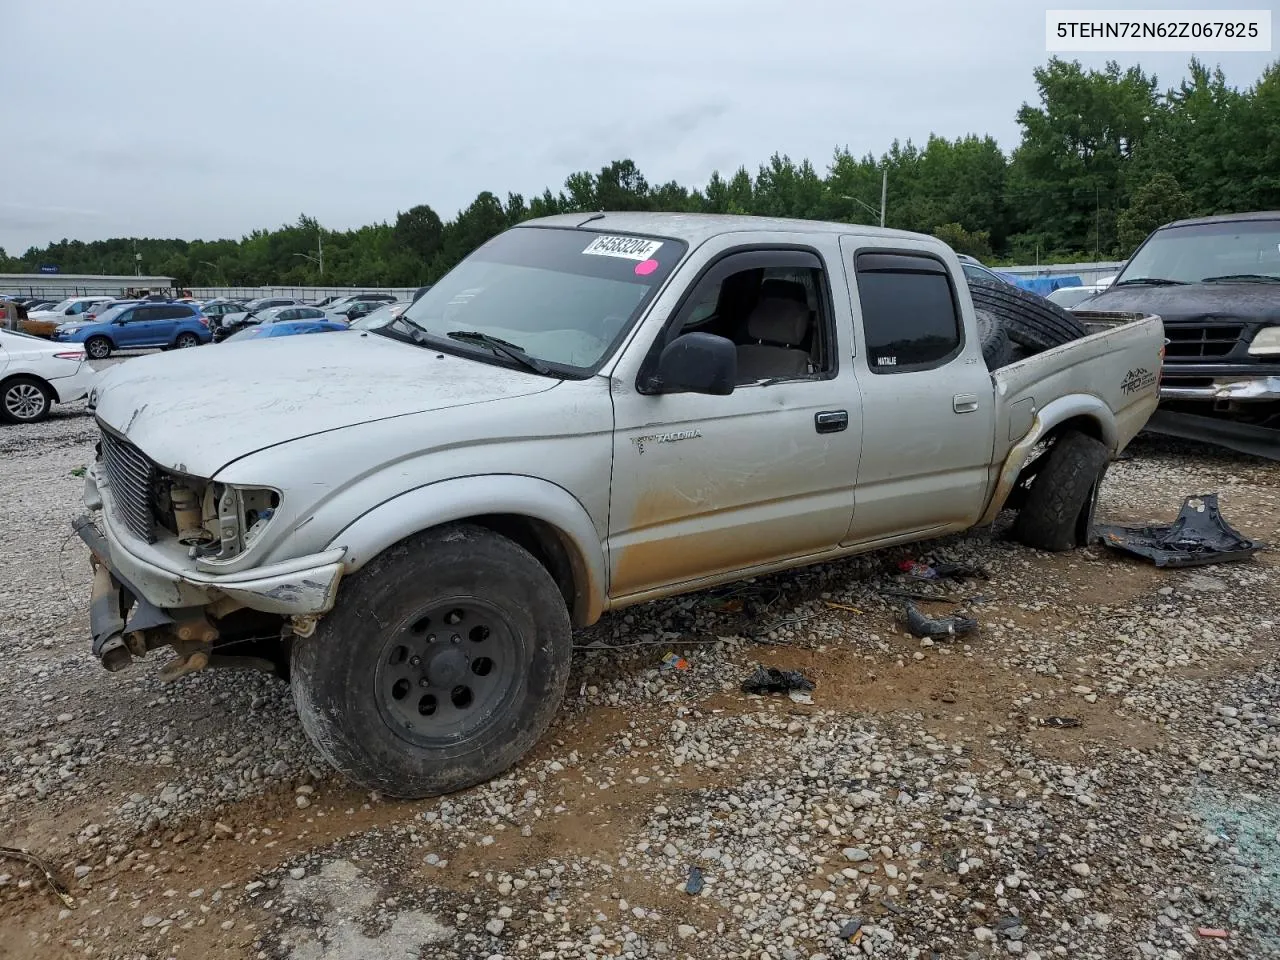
698 363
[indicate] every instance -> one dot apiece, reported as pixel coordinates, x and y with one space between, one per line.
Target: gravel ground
915 804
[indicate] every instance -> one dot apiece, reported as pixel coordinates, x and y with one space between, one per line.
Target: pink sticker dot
646 267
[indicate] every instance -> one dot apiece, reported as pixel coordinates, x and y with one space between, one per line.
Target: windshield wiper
1154 281
497 345
1242 278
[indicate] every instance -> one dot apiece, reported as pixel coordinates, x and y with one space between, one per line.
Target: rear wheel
186 340
442 665
24 400
1057 513
99 348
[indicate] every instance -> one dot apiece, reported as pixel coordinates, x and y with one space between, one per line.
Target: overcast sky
208 118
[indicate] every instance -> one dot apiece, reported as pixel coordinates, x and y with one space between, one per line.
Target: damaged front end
171 557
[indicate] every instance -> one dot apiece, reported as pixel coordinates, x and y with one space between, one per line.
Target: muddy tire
997 349
1030 321
1058 511
24 400
98 348
442 664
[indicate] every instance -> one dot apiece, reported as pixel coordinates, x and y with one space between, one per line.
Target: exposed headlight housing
1266 343
218 521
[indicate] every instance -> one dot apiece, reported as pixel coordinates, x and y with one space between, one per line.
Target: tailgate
1116 366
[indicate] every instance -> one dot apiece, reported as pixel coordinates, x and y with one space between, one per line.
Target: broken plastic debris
935 629
693 886
918 570
772 680
921 570
1059 722
673 662
1199 536
851 929
1212 932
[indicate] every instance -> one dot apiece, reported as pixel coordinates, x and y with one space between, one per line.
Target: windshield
1192 253
108 315
62 306
563 296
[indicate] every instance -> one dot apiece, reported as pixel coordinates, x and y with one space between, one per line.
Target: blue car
286 328
133 326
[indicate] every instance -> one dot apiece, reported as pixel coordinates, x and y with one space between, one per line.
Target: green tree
1158 201
975 243
419 231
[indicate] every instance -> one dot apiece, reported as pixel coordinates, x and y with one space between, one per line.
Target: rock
151 920
303 801
855 854
684 931
297 873
495 926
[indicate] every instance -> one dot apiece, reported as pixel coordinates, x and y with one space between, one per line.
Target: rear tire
25 400
1058 511
98 348
186 340
442 665
1030 320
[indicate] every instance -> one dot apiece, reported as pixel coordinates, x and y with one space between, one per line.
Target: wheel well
29 376
548 545
1089 426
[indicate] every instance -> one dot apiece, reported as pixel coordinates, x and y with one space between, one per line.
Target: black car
1216 283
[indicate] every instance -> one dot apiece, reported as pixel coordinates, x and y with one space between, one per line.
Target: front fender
460 498
1054 414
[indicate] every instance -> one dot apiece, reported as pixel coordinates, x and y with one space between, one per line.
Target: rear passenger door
927 398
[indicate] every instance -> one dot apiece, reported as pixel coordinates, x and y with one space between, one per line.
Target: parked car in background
354 310
1069 297
974 269
264 303
232 323
216 310
285 328
35 374
1215 281
380 317
342 303
138 326
42 323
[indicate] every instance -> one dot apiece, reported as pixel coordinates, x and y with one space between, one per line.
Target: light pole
884 197
307 256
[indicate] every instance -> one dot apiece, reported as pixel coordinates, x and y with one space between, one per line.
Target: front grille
133 478
1197 341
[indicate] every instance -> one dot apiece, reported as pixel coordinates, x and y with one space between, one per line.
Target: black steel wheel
448 672
442 664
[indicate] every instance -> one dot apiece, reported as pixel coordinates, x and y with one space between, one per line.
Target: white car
71 307
35 374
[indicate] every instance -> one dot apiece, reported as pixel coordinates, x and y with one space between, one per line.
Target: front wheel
1058 512
186 340
99 348
442 665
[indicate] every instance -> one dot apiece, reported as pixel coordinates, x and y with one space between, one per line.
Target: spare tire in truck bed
1031 320
997 350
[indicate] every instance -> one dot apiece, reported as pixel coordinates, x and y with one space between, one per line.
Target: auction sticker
629 248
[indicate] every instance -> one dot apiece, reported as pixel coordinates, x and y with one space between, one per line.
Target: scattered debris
1059 722
772 680
1199 536
935 629
851 929
799 696
56 885
78 472
919 570
841 606
1212 932
673 662
693 886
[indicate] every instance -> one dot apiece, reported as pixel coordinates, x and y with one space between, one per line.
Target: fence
294 293
1087 272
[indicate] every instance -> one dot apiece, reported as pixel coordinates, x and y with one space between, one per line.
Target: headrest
779 321
777 288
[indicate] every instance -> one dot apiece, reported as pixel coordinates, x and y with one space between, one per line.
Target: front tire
25 400
98 348
186 341
442 665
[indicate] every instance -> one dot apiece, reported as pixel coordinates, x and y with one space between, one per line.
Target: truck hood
1202 302
194 411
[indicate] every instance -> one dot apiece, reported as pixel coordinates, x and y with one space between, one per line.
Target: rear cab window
910 312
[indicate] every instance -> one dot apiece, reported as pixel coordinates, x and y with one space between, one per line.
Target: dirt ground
922 801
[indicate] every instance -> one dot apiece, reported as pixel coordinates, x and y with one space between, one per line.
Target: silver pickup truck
588 412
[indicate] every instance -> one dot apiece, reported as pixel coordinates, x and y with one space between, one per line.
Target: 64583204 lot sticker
628 248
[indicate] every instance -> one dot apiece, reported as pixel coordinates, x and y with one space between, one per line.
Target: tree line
1104 157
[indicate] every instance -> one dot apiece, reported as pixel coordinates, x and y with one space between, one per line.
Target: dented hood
194 411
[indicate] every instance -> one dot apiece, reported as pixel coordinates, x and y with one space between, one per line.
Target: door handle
831 421
964 402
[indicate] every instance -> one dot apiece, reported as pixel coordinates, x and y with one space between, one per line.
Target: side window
174 313
141 314
910 316
774 306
